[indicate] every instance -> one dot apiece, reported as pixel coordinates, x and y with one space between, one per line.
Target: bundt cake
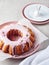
16 39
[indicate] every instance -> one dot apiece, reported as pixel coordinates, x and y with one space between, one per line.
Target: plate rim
27 55
32 21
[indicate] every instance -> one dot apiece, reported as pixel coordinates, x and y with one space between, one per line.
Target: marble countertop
12 10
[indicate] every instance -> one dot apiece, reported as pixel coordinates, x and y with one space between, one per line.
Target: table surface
12 10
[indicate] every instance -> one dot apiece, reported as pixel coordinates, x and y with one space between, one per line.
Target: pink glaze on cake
21 41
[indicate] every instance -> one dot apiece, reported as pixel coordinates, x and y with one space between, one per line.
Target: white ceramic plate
44 11
28 13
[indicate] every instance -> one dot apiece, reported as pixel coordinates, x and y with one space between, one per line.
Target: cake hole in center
14 35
